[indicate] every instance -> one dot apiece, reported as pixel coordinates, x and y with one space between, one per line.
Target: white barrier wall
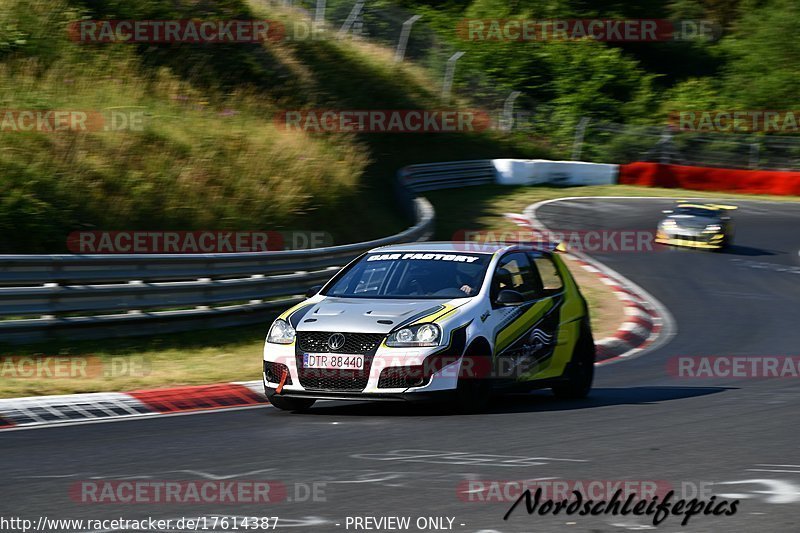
544 171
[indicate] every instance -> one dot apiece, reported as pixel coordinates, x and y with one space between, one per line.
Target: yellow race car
697 226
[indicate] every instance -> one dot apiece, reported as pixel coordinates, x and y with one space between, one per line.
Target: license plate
329 361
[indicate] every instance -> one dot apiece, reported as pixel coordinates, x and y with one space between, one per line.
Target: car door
524 335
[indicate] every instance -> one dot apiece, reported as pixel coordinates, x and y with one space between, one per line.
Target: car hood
693 222
365 315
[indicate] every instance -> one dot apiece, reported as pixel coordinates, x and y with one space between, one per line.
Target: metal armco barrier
433 176
100 296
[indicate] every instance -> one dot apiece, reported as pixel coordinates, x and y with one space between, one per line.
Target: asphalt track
640 423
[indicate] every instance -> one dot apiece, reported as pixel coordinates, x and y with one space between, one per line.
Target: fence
414 38
622 143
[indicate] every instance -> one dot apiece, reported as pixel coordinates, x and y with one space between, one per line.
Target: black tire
474 388
291 404
580 371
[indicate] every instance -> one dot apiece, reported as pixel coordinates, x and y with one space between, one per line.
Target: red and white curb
39 411
647 322
641 327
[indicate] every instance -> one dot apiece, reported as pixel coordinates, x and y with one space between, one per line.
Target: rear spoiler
708 205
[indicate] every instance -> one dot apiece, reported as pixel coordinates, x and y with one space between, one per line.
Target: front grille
365 344
275 371
333 380
401 377
355 343
692 238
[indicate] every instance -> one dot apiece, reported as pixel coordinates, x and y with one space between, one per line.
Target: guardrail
45 297
433 176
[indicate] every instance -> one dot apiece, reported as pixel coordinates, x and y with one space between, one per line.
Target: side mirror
313 291
507 297
667 211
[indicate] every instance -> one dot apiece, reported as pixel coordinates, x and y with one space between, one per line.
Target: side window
514 272
548 273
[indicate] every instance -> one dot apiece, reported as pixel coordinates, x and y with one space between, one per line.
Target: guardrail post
449 74
351 20
136 297
577 146
51 302
665 147
319 15
507 122
754 150
400 54
206 295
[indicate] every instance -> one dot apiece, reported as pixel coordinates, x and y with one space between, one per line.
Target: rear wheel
580 371
291 404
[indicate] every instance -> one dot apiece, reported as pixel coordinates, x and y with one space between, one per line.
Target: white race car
427 321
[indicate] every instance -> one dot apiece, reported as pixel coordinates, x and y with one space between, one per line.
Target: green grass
202 357
210 155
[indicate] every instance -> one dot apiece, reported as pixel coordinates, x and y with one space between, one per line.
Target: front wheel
474 387
291 404
580 371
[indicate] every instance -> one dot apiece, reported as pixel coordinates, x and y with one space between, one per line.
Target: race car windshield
413 275
696 212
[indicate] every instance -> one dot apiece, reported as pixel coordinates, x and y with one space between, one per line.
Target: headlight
713 227
421 335
281 332
669 223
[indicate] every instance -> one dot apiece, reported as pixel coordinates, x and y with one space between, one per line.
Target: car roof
469 247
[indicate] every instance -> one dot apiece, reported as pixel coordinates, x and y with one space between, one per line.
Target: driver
467 275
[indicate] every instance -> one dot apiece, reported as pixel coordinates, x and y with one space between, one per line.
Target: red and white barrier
710 179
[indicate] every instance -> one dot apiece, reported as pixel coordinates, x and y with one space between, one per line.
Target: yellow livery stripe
519 326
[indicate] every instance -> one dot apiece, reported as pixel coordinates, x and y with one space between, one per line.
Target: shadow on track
537 401
747 251
733 249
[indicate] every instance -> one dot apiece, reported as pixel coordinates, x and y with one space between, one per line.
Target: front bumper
416 396
688 239
438 382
